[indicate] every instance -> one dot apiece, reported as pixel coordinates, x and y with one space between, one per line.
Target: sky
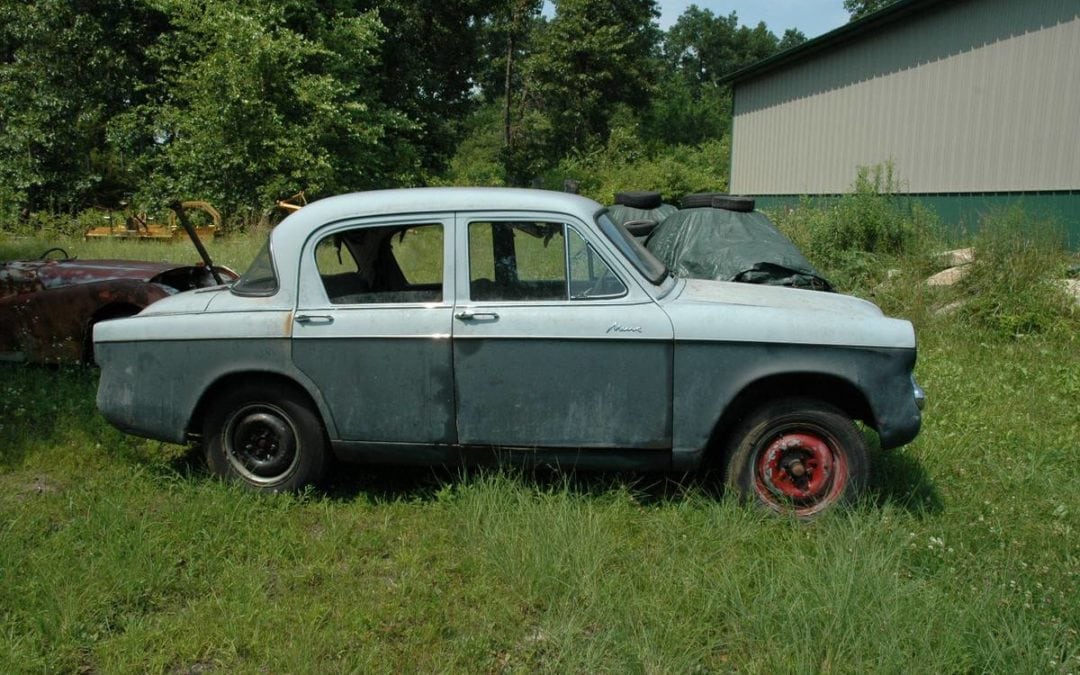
812 17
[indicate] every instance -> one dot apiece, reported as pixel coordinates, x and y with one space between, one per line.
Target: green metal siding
961 213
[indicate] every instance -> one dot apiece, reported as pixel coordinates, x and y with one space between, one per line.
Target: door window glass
393 263
517 261
590 276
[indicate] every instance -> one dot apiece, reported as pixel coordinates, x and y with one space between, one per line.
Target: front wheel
798 456
266 437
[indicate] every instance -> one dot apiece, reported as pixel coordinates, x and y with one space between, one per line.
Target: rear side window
388 264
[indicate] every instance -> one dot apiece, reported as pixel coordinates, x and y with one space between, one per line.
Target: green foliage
256 110
625 163
65 70
479 159
679 114
428 59
702 47
593 56
1012 288
857 237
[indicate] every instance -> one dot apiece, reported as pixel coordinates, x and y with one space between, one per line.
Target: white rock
956 257
947 277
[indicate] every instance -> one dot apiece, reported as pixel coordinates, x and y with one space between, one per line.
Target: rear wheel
799 456
266 437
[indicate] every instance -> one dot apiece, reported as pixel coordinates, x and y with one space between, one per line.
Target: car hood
58 273
729 311
777 297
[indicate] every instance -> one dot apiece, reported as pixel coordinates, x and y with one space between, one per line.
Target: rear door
372 327
554 343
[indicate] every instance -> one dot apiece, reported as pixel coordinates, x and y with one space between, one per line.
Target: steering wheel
55 249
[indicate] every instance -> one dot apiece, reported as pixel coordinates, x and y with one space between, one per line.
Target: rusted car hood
45 274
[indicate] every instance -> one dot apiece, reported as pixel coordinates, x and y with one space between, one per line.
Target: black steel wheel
798 456
265 437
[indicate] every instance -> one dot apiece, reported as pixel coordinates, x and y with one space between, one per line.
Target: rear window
260 277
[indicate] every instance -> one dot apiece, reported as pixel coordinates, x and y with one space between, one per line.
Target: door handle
314 319
468 315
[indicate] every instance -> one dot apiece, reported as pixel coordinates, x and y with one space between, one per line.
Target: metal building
974 102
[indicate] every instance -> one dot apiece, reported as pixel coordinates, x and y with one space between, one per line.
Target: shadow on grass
899 479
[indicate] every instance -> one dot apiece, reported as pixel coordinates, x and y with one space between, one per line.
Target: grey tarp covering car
715 243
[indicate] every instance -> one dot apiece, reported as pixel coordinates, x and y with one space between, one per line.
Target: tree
594 55
860 8
792 37
252 104
66 69
703 47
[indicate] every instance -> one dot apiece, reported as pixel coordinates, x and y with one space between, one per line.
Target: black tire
639 199
798 456
640 228
265 437
699 200
733 203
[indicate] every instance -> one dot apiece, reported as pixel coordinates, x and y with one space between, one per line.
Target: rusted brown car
48 307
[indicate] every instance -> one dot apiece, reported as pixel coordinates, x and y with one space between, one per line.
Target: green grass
121 555
233 251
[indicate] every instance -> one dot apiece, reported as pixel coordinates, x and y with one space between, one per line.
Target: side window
517 261
394 263
590 276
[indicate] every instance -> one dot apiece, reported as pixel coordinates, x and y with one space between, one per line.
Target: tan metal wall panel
974 96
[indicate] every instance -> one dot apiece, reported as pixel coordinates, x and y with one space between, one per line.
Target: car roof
293 230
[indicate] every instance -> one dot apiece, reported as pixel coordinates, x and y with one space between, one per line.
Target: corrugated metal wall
972 96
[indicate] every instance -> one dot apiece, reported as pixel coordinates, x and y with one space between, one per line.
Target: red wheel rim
801 469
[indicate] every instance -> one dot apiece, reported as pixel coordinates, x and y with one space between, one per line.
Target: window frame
466 220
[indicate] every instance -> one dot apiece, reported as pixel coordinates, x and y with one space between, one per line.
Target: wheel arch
266 379
826 387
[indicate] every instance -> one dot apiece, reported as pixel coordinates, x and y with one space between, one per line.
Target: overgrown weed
1012 288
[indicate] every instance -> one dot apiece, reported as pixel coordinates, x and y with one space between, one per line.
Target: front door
553 345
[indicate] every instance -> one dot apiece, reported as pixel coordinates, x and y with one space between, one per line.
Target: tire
699 200
798 456
733 203
639 199
265 437
640 228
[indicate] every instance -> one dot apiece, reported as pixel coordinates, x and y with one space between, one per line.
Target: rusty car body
48 307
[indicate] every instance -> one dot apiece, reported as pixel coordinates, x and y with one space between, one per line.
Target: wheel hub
797 466
262 444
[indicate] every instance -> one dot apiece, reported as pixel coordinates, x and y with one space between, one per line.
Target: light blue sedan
450 325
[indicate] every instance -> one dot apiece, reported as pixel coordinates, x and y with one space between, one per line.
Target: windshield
260 278
649 265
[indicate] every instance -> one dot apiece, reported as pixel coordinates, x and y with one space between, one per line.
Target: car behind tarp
708 242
